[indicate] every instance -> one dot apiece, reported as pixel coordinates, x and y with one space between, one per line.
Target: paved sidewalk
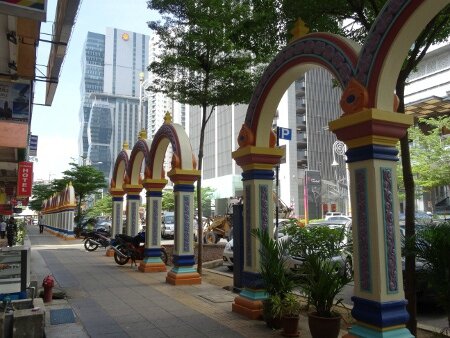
118 301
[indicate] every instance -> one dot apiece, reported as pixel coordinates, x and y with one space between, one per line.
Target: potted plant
290 313
322 281
277 281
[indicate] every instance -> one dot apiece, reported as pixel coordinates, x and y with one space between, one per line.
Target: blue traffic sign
284 133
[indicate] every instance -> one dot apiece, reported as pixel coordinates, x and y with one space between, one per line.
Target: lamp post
339 148
141 118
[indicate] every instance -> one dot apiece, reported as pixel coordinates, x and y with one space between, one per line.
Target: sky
58 126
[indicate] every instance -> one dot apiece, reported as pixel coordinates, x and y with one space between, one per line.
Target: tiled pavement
118 301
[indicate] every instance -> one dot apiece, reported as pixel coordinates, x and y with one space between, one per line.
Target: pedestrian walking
2 227
41 224
11 231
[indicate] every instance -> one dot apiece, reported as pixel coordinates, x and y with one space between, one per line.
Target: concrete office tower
112 111
306 108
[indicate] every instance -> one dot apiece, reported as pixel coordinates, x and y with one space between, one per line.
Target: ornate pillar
258 176
371 136
70 223
116 217
133 204
183 272
152 261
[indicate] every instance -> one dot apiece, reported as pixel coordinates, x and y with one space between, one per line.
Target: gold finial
142 135
299 30
125 146
167 118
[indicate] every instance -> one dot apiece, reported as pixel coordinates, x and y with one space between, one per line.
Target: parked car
339 218
332 213
344 249
228 250
168 225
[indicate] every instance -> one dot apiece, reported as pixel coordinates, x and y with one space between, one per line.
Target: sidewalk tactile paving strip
61 316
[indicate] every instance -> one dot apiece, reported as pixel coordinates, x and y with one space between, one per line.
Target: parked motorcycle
96 238
128 247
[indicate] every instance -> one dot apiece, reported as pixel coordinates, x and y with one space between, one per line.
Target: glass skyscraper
111 110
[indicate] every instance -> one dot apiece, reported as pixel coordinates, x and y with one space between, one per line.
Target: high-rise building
112 110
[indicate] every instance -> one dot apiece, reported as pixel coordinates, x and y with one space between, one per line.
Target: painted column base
183 276
250 303
109 252
364 331
152 264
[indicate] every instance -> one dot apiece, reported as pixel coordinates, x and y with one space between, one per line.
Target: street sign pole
277 183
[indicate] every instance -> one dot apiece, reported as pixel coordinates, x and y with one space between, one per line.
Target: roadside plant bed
211 252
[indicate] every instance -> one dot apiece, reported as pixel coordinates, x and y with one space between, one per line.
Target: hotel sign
24 179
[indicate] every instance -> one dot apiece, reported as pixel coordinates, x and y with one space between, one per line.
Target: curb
212 264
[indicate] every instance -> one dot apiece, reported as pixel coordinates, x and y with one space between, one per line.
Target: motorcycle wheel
119 259
89 246
164 257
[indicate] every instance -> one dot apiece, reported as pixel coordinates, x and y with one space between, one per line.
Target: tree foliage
430 153
85 179
41 191
202 62
102 207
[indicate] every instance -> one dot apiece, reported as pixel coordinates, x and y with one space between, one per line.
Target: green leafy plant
273 257
432 245
321 283
290 306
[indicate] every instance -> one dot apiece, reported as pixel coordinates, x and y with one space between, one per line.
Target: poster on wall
15 101
313 199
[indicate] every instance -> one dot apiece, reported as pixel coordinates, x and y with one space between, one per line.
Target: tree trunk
199 193
410 259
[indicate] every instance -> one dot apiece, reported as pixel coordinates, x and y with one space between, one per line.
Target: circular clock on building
125 36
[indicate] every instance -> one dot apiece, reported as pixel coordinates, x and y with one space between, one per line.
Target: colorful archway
370 131
142 167
117 191
183 174
257 153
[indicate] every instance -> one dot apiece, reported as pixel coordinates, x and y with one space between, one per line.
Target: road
427 315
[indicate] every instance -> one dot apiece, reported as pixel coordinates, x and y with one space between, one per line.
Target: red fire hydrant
48 283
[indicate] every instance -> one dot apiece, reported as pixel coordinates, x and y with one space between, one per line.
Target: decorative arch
332 52
390 38
182 158
139 155
120 175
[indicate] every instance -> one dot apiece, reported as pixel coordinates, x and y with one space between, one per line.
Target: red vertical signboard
24 179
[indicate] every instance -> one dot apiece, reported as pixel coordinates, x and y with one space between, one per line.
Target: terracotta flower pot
324 327
290 326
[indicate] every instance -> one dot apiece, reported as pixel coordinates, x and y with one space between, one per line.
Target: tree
86 180
168 201
40 192
360 15
430 155
102 207
201 63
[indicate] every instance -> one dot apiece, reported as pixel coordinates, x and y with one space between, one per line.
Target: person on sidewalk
41 224
2 227
11 231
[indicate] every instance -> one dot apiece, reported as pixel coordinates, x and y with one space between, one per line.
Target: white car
168 225
332 213
228 250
